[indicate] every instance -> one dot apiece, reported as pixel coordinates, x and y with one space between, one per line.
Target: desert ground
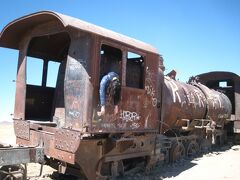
222 164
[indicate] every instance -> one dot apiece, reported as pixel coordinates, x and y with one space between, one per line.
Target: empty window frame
134 70
223 84
34 71
52 73
111 59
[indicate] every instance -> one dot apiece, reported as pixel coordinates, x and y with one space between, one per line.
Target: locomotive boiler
159 119
193 103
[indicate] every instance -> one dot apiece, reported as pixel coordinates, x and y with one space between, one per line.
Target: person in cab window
112 83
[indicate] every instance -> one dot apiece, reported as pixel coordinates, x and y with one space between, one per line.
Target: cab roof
10 36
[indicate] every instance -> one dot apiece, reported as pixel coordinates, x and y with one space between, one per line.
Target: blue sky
193 37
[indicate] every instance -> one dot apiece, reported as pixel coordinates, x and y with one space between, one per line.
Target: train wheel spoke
177 152
192 149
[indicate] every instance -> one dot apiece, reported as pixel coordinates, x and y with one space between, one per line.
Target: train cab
227 83
61 63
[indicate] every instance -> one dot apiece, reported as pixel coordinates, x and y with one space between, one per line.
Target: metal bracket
195 123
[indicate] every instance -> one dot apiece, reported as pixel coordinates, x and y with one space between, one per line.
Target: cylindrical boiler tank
219 106
183 101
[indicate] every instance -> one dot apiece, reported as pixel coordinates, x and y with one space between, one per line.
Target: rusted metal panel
59 113
153 89
22 129
20 155
231 88
181 101
19 110
63 156
133 115
47 141
88 156
192 102
16 29
237 98
77 84
98 151
216 75
124 144
138 108
67 140
130 145
219 106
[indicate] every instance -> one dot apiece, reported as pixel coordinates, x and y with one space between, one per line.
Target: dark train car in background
229 84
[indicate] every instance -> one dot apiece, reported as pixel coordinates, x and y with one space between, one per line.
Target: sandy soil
223 164
7 133
218 165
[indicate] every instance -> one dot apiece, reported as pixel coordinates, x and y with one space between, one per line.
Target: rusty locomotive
160 118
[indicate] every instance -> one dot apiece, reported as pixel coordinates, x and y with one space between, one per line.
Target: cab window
134 70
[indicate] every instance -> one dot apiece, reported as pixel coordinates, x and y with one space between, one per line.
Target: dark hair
114 90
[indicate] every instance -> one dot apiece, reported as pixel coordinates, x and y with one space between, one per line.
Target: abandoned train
160 119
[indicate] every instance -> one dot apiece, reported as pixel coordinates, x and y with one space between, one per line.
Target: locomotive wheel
13 172
192 149
205 145
177 152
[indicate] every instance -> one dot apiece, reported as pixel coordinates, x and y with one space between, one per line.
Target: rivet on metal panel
67 140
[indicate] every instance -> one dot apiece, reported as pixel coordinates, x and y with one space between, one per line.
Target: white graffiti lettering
200 98
74 114
128 116
135 125
151 92
175 93
108 125
149 86
216 101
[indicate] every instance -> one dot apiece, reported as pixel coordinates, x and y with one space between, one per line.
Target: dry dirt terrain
222 164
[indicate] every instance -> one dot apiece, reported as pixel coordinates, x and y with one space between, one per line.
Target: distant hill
6 122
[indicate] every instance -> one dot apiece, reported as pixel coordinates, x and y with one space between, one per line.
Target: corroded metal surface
181 101
218 105
63 119
22 129
230 88
20 155
67 140
193 102
16 29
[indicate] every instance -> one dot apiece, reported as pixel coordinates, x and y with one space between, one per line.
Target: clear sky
193 36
